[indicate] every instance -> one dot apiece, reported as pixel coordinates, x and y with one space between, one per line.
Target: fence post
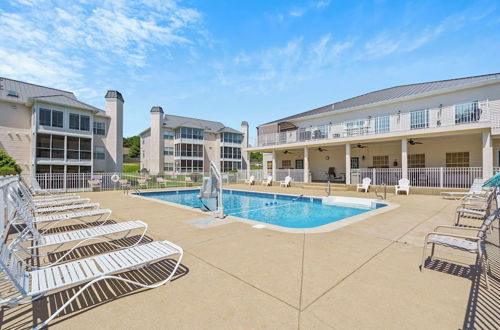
441 177
374 176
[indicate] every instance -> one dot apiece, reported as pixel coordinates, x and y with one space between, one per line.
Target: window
168 151
356 127
270 165
99 153
381 124
188 150
457 159
381 161
189 165
168 167
12 93
227 166
299 164
416 161
419 119
355 162
50 146
189 133
168 135
52 118
78 148
467 112
230 152
232 138
99 128
286 163
79 122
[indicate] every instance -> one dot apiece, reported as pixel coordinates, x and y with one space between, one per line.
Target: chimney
114 138
244 145
157 143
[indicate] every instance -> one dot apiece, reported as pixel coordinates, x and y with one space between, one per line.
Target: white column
348 163
487 155
274 165
248 164
404 158
306 165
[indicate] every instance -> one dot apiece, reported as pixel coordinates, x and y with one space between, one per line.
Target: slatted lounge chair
466 243
31 285
66 208
250 181
142 183
364 185
268 181
26 191
403 185
475 189
30 238
287 181
43 204
102 214
37 190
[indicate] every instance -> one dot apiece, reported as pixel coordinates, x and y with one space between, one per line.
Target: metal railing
401 121
436 177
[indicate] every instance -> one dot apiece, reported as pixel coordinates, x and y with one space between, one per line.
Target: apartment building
47 130
434 133
176 144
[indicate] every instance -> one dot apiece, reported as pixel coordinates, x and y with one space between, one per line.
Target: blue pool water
281 210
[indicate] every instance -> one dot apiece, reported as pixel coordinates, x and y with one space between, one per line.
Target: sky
231 61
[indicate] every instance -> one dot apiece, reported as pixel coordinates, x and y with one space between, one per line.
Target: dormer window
12 93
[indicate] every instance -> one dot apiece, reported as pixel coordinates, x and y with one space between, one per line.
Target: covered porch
451 161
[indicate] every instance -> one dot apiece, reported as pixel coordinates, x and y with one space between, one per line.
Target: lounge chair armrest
456 227
473 238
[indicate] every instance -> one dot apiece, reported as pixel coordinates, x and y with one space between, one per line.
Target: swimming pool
276 209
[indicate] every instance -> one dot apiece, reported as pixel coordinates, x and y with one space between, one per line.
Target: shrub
8 165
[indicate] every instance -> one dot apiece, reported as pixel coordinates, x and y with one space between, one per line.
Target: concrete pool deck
234 276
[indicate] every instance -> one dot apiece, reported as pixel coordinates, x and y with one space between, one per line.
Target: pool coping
263 225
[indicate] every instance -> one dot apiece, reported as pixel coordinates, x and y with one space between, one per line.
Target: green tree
134 151
256 156
8 165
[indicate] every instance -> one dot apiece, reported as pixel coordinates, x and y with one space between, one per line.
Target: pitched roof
172 121
394 93
27 92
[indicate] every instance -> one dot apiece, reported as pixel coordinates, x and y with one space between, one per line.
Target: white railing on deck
437 177
6 209
404 121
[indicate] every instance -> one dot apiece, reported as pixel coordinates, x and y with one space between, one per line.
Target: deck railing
401 121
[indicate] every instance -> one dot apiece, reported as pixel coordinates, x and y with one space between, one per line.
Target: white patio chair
466 243
161 182
250 181
287 182
403 185
46 197
142 183
364 185
27 286
66 208
268 181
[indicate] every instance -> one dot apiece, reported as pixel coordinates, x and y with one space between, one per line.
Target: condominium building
176 144
47 130
434 133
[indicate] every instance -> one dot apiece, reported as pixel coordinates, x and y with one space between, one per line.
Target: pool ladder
385 191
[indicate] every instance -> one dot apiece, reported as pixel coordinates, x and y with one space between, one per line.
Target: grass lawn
130 167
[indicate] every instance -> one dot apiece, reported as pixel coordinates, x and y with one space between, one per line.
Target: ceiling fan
413 142
359 145
287 152
321 149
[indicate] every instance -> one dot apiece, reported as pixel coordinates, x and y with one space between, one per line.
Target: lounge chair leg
432 250
484 264
422 266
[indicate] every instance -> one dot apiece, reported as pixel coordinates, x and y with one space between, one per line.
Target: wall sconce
363 157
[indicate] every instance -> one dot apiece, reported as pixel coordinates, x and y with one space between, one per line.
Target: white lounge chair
66 208
142 183
31 285
287 182
80 237
475 189
268 181
403 185
364 185
466 243
37 191
250 181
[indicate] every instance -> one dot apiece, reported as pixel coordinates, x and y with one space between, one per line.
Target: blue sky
242 60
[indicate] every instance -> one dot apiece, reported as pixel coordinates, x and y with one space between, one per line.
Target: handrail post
441 177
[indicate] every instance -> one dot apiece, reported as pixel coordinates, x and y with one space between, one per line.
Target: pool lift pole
211 192
219 213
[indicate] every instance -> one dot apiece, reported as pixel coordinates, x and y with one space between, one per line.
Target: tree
256 156
8 165
134 151
130 141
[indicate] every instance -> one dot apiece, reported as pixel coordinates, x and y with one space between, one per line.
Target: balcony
402 122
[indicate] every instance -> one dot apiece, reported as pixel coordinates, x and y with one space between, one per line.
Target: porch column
487 155
348 163
404 158
274 165
248 164
306 165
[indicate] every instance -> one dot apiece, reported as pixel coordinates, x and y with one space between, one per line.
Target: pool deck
234 276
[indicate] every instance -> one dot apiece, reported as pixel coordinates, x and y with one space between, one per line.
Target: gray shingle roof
171 121
393 93
26 92
112 94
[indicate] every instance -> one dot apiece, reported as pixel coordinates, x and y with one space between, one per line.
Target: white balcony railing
403 121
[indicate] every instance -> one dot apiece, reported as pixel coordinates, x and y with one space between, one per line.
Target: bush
8 165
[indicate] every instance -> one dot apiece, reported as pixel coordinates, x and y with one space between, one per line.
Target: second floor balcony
403 122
